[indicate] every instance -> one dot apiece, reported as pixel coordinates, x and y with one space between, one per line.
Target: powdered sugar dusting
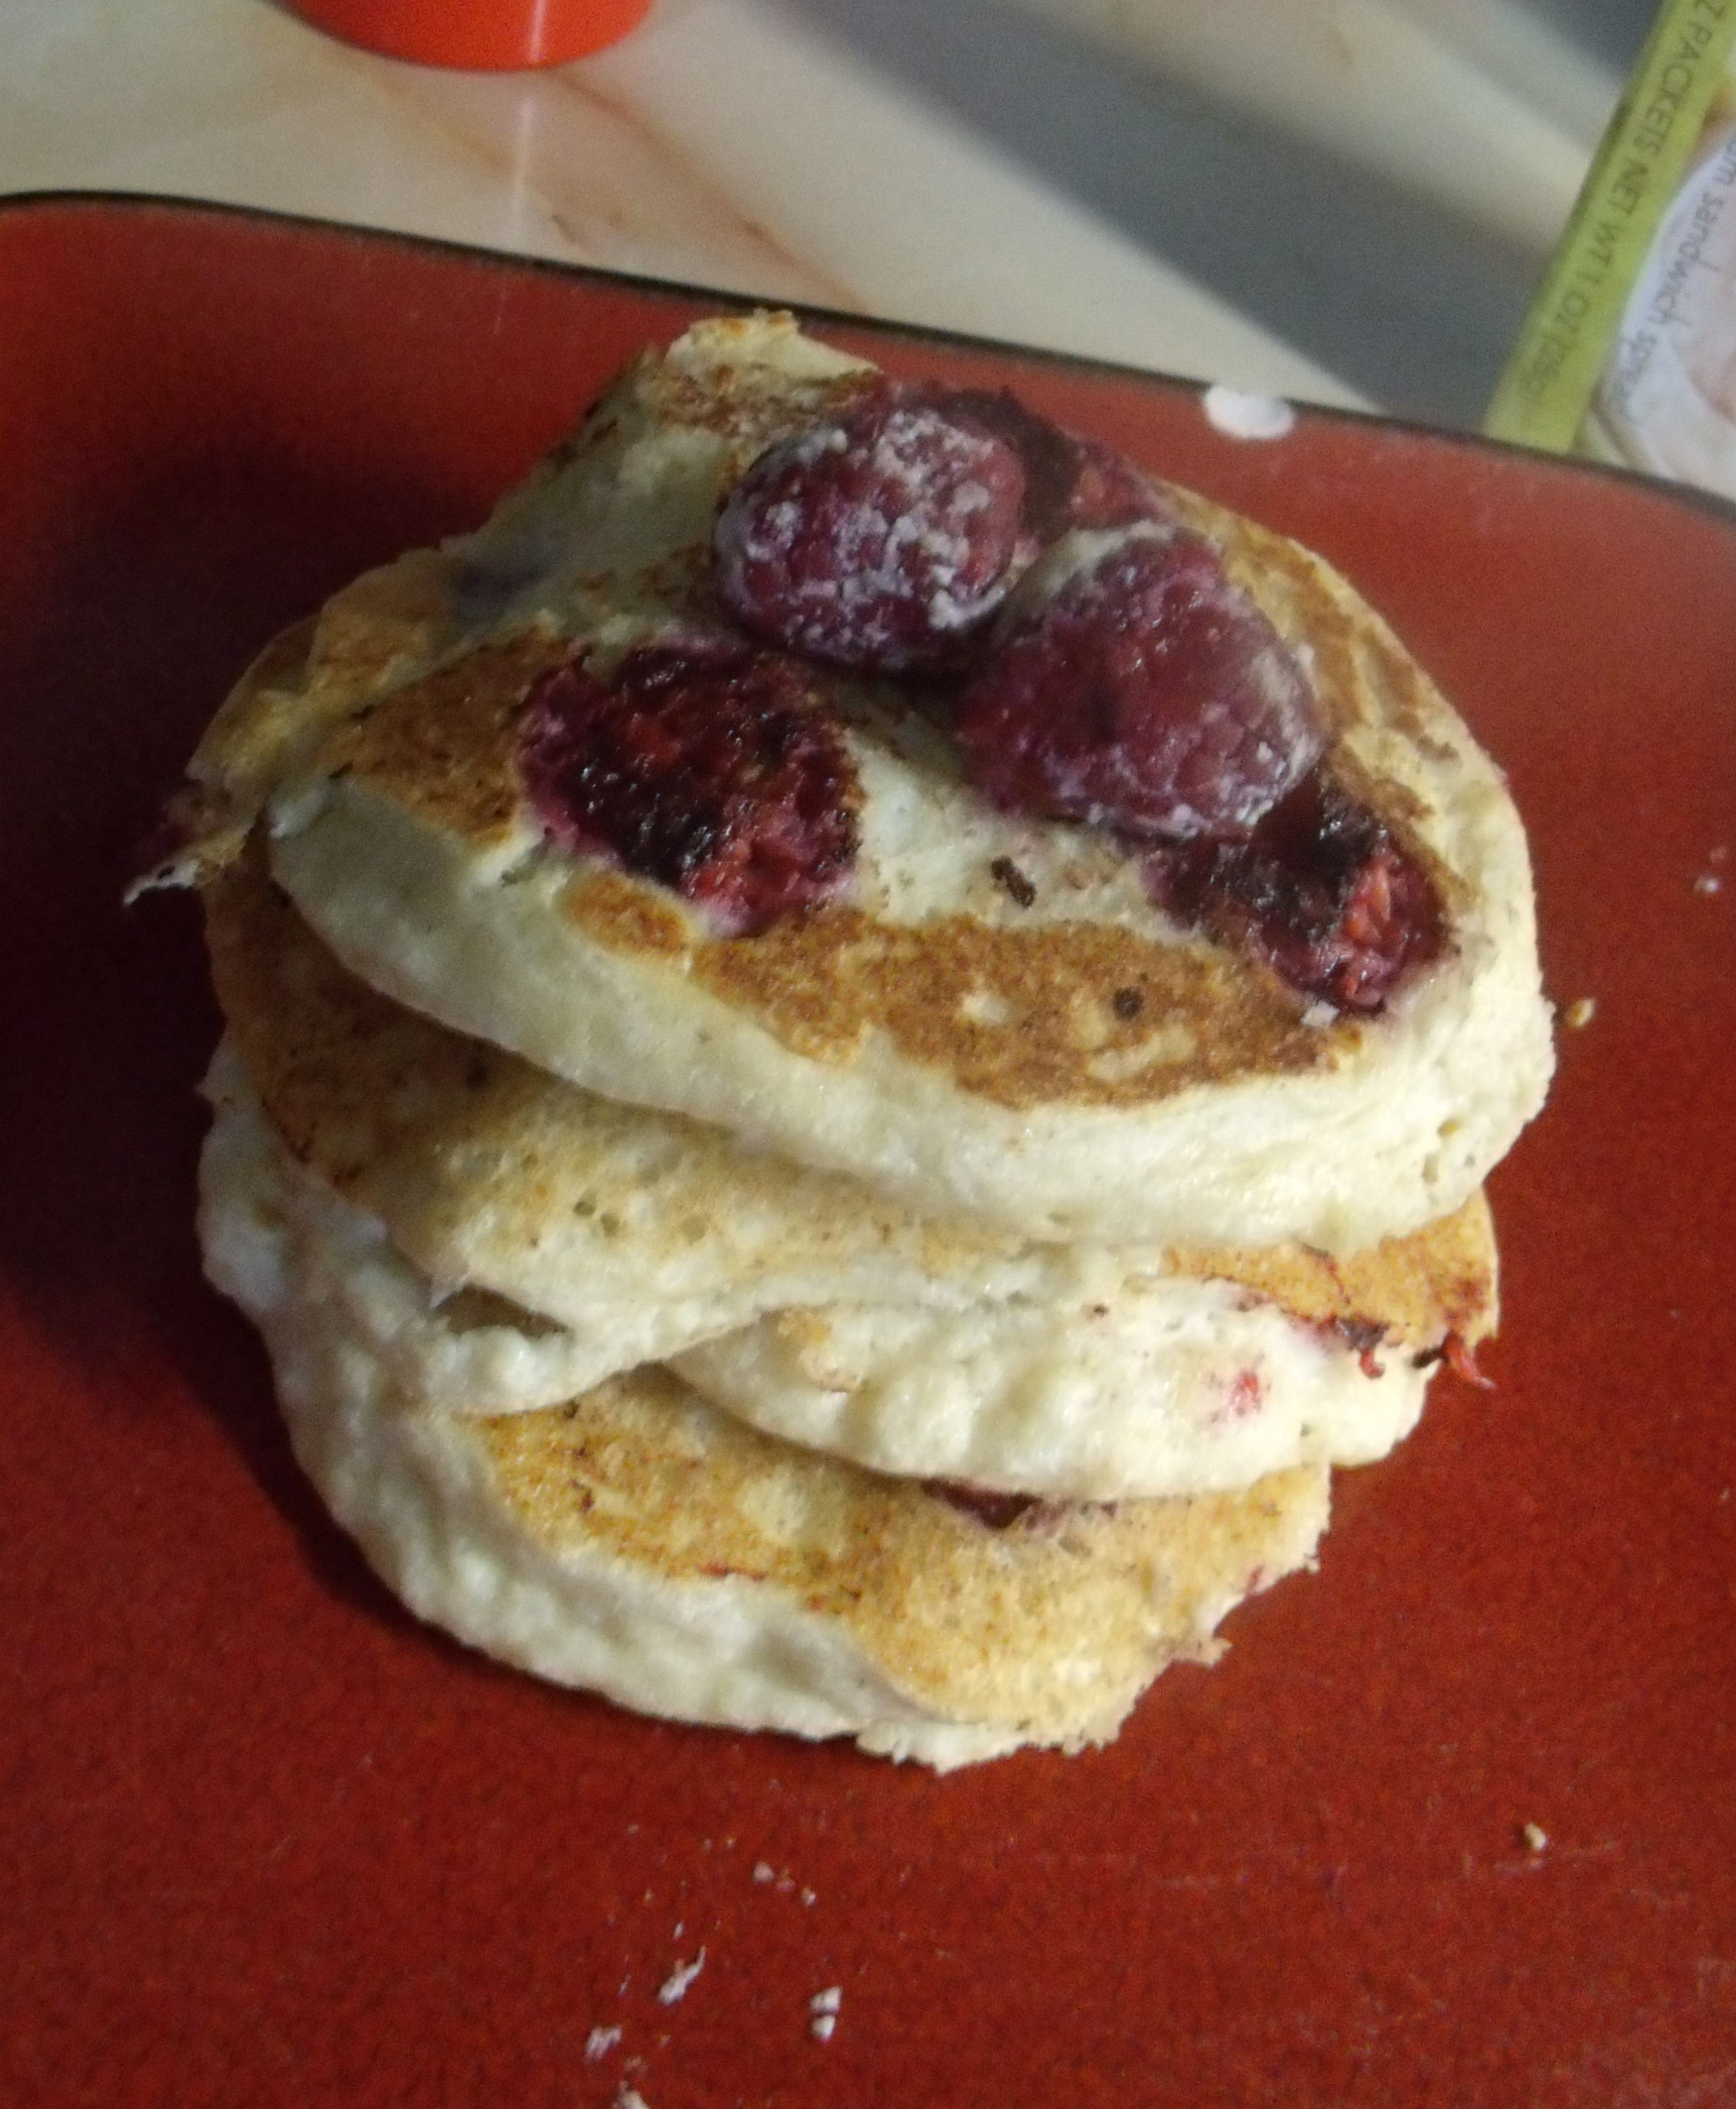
1147 693
876 539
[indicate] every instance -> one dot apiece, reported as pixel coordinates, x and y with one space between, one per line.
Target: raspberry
1069 482
877 540
715 771
1320 890
1148 694
994 1510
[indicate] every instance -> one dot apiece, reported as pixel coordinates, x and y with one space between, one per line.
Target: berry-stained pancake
913 791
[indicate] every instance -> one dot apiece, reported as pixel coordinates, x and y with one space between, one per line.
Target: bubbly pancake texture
1163 1383
460 1350
802 1302
643 1232
1051 1055
635 1542
1146 1385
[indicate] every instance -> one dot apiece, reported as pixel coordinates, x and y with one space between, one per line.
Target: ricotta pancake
461 1350
1159 1385
603 1236
1176 1382
642 1232
636 1542
861 1041
976 1007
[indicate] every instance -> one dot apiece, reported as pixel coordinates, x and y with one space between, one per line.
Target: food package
1629 352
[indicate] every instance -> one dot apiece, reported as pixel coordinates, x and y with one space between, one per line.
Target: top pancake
1062 1061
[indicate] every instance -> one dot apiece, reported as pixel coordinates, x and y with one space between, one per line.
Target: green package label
1569 335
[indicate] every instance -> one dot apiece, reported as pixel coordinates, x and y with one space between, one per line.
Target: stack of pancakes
922 1319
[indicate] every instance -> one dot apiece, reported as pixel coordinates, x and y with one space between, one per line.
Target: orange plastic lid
488 35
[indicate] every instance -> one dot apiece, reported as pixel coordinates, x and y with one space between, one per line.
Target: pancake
642 1232
636 1542
991 1017
861 1041
1177 1383
1180 1385
608 1235
462 1350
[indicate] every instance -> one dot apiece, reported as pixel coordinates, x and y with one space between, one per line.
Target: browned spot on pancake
283 659
980 1625
304 683
443 746
1332 638
243 748
1393 690
1022 1017
354 1085
684 581
1414 1290
402 611
622 914
750 406
599 424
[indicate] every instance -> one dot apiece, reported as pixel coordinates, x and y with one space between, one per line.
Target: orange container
495 36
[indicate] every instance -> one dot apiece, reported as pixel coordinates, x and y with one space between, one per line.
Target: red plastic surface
488 36
268 1841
